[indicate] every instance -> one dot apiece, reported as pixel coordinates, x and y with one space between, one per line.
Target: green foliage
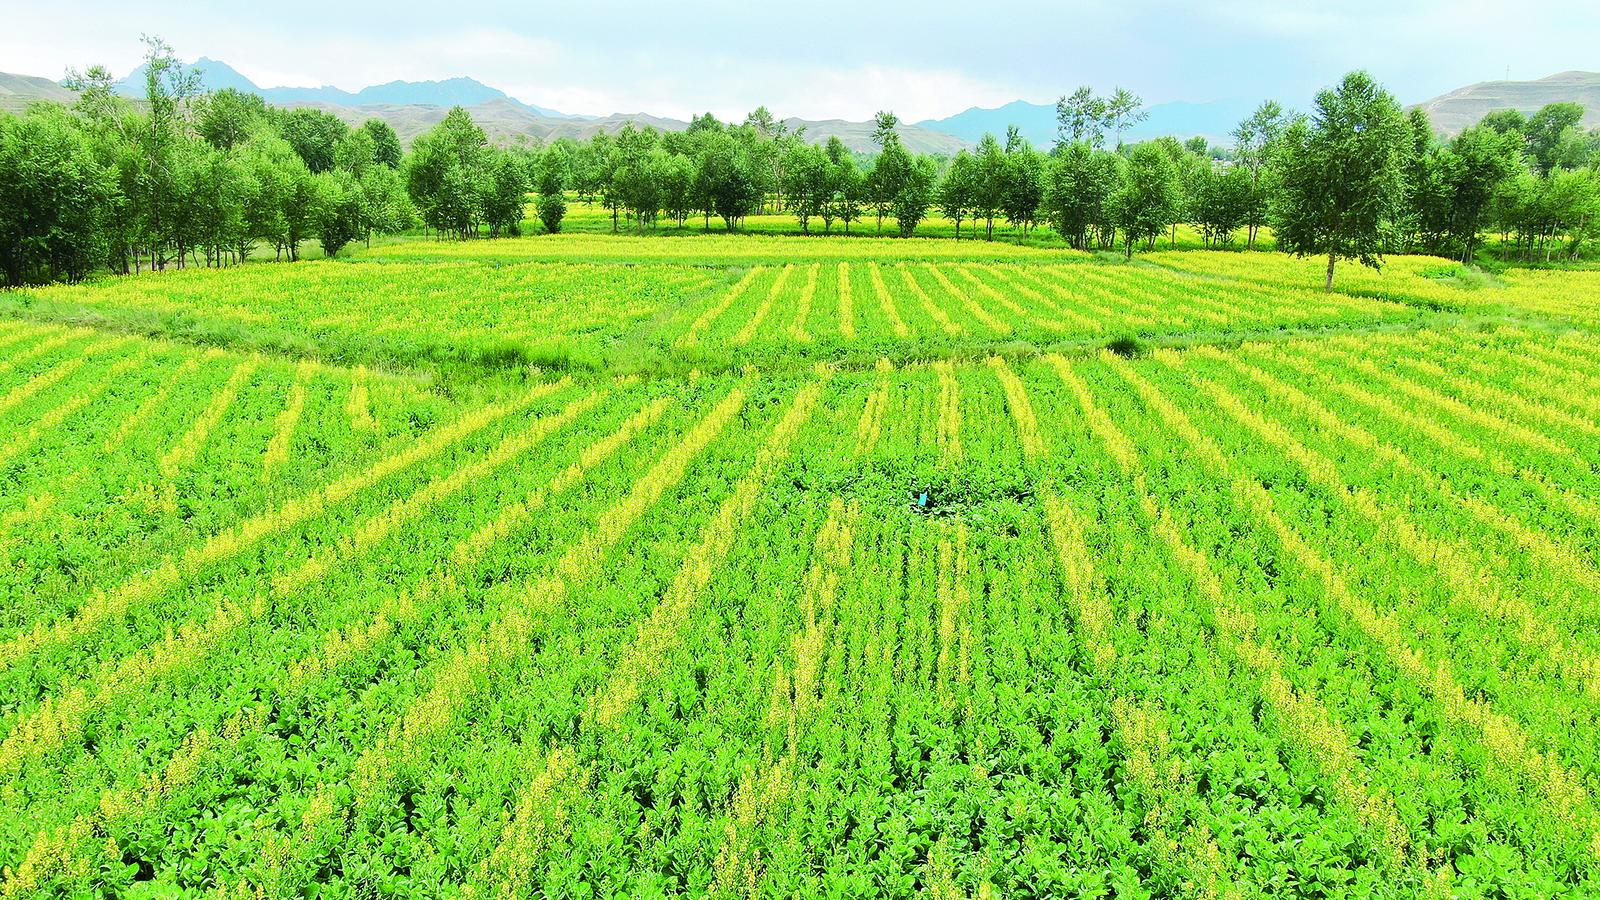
228 117
392 586
1080 118
726 179
315 135
1257 143
505 197
807 183
988 182
958 191
1456 184
386 150
1023 192
341 211
192 178
1466 277
1145 203
1549 134
1079 184
554 172
1342 175
915 195
1218 201
53 196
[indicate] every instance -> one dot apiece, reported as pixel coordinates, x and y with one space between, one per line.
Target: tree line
1355 178
192 178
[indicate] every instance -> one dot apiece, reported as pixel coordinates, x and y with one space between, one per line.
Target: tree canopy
186 177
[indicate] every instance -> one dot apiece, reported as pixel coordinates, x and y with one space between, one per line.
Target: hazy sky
923 59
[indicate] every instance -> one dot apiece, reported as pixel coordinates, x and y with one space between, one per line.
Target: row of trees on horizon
193 178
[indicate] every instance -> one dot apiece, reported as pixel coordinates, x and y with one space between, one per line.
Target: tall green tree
885 125
1145 202
1550 131
340 210
915 197
1256 141
847 182
302 206
724 180
385 143
1478 162
315 135
218 189
1218 201
890 171
1023 193
226 118
156 134
675 174
505 197
807 180
1123 110
956 192
989 183
554 171
1079 180
446 174
388 209
1080 118
53 196
1343 175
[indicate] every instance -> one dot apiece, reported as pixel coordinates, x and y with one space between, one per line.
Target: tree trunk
1327 285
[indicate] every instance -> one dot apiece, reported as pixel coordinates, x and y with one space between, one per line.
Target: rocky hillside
1463 107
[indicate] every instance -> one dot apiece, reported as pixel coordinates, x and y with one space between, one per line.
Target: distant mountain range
1463 107
1037 121
412 107
216 75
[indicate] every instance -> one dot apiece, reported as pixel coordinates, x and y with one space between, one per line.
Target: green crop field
763 566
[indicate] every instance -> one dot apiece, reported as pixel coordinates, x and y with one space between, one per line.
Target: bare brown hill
17 91
1463 107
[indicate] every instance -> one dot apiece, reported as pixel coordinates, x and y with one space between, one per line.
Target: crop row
118 451
399 314
571 316
933 308
1208 623
1420 281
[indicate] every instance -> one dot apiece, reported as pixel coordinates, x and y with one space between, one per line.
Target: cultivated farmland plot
844 574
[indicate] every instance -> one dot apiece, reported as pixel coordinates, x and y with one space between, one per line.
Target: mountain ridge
457 91
17 91
1213 120
414 106
1453 111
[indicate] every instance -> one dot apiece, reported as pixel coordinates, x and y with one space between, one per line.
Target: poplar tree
1343 175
